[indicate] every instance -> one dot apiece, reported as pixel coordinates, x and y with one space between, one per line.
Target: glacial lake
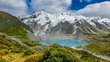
66 43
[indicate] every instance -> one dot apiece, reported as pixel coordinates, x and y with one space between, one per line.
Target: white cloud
18 7
15 7
98 9
51 6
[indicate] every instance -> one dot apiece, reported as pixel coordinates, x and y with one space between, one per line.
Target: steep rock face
43 23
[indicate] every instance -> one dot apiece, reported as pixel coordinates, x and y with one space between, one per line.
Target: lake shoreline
65 43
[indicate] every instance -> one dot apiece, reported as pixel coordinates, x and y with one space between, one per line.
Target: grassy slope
14 52
11 25
62 54
100 46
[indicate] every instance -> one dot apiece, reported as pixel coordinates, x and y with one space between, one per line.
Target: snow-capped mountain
43 23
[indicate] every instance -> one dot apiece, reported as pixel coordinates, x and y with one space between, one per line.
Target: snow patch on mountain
43 23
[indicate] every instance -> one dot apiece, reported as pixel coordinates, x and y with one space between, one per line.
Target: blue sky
75 4
81 7
80 4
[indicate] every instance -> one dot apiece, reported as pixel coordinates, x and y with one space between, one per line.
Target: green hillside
13 39
11 25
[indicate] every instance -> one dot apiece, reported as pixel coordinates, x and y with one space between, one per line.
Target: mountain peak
47 23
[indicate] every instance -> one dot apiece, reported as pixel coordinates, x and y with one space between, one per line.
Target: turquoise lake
67 43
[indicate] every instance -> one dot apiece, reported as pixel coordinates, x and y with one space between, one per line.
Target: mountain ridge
43 23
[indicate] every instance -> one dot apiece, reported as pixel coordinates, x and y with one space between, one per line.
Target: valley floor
22 50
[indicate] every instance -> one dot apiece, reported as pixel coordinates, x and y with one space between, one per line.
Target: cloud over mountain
98 9
51 6
23 7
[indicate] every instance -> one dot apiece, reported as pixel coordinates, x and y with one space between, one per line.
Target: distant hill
11 25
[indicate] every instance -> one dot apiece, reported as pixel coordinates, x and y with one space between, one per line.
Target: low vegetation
10 49
54 53
63 54
101 46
